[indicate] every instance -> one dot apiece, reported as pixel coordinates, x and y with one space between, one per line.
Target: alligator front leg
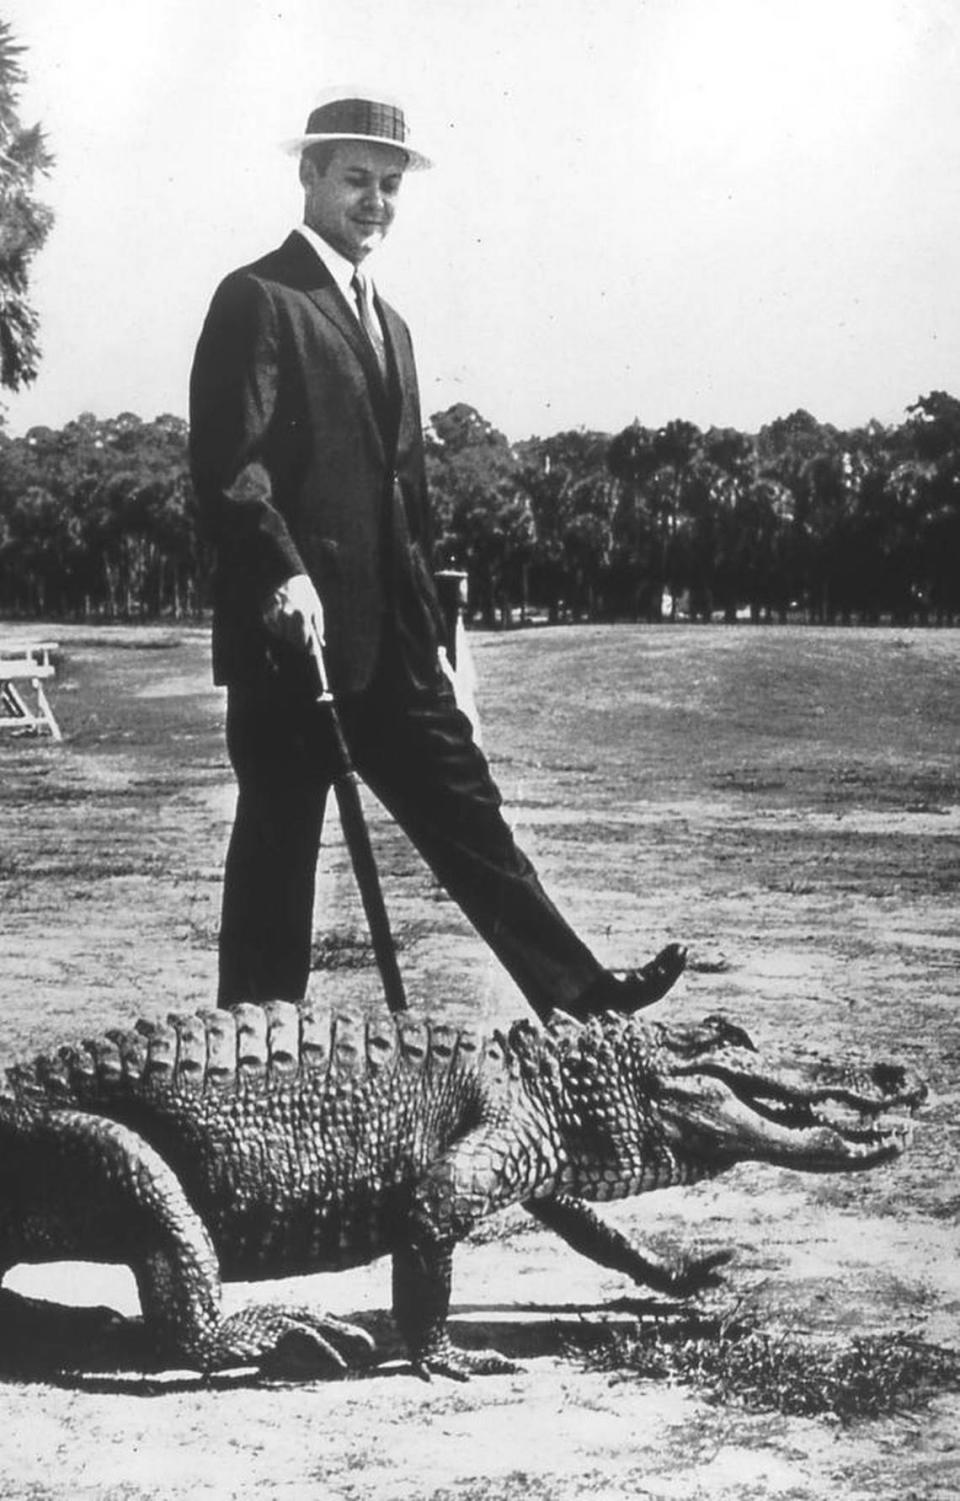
421 1302
483 1172
587 1233
102 1192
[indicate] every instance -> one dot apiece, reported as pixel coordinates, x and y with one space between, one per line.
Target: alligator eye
890 1077
742 1039
728 1035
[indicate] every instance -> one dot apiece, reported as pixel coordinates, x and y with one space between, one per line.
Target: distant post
452 591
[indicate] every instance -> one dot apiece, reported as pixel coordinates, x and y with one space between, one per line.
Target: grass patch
798 1375
346 950
352 948
39 793
107 867
125 638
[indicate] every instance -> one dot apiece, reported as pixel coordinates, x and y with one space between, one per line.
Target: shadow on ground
98 1349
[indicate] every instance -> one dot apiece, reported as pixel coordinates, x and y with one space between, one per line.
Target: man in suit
307 457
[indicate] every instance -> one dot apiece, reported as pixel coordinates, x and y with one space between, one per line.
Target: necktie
369 321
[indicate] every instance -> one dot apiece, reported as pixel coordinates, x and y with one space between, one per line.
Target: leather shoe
630 990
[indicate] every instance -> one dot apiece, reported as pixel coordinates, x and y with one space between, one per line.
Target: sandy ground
787 802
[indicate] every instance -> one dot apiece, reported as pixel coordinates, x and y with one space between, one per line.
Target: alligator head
674 1104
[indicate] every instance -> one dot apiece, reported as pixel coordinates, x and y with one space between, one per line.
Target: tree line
97 521
799 521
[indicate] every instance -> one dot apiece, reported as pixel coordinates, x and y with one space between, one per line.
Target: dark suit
305 460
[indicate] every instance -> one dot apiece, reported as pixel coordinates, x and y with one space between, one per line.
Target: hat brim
416 162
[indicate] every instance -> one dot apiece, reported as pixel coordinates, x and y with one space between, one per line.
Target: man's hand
294 614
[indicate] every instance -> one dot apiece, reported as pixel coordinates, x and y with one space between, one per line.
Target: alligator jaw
731 1118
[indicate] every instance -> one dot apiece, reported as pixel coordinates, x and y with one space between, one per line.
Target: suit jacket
305 461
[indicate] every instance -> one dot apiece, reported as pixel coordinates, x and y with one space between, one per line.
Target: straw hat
346 114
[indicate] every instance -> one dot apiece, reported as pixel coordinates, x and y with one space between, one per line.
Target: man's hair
320 154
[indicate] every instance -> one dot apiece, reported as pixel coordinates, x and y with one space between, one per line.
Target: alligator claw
291 1344
312 1353
460 1365
691 1275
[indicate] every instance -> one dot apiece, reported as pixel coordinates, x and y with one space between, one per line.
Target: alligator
280 1140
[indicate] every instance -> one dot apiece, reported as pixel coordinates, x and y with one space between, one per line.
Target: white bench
24 666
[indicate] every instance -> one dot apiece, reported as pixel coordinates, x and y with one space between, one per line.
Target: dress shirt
339 267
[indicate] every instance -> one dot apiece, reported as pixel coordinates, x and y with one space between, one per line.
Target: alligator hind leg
587 1233
103 1193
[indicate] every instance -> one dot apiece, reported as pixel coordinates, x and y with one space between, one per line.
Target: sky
718 210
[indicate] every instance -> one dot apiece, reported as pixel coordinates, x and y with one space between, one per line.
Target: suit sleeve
233 391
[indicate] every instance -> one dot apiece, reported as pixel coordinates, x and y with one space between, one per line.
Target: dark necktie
369 321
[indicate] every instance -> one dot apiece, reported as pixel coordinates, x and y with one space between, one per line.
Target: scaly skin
276 1141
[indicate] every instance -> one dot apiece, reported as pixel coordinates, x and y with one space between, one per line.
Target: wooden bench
24 666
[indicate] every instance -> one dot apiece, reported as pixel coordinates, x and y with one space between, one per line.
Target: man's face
352 204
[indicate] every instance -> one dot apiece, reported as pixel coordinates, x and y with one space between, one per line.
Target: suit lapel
330 300
397 345
306 271
401 377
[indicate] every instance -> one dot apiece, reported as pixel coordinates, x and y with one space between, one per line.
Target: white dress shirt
339 267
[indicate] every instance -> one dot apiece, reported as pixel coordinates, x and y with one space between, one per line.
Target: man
307 456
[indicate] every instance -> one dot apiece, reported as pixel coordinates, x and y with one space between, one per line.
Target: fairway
784 800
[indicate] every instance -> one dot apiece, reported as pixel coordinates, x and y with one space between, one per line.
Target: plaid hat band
347 114
359 117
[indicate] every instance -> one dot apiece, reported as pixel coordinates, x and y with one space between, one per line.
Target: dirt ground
786 801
